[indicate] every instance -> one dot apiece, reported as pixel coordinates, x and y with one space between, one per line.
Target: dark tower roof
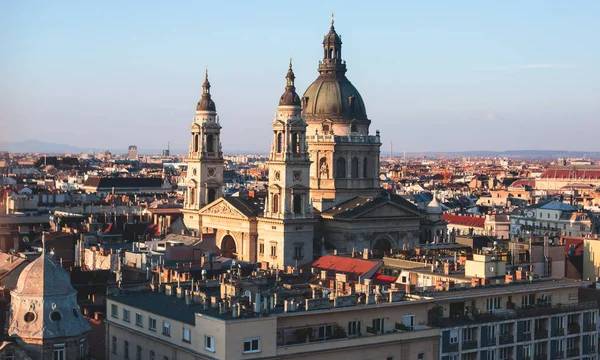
332 95
289 97
206 103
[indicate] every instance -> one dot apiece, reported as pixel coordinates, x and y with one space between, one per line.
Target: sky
434 75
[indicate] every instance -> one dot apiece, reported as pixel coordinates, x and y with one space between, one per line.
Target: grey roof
557 205
160 304
359 204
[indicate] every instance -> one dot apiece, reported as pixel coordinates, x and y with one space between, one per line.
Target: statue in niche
323 168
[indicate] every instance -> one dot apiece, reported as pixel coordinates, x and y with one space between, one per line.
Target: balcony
572 352
573 328
541 356
541 334
506 339
449 348
558 331
469 344
557 354
589 349
524 336
301 335
589 326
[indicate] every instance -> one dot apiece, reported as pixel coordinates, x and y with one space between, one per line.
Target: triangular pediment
221 207
386 210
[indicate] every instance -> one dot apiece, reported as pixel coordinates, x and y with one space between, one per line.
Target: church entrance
382 247
228 248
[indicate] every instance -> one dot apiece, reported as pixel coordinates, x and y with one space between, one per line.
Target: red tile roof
385 278
521 183
465 220
342 264
576 174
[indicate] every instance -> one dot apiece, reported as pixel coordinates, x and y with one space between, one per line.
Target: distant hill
37 146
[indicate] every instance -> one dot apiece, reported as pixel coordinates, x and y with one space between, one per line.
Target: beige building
512 321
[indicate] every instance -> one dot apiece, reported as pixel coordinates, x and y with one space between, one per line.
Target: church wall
345 235
285 236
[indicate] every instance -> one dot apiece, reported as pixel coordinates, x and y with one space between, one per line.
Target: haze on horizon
434 76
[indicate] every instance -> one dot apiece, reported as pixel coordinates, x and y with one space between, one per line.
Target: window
354 328
139 320
210 143
211 195
114 311
453 339
298 204
151 324
152 355
355 168
340 168
209 343
365 169
378 325
298 252
126 349
82 349
125 315
279 143
166 328
58 352
261 248
187 335
114 345
252 345
408 321
273 250
275 205
138 353
492 304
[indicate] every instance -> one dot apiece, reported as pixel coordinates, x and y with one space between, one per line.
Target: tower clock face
211 172
297 175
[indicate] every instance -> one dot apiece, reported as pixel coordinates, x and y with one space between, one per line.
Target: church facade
323 190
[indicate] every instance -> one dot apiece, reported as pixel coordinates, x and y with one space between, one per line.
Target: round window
55 316
29 316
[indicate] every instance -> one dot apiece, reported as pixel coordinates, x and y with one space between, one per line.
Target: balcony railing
573 328
506 339
558 331
524 336
541 334
589 326
449 348
541 356
573 352
469 344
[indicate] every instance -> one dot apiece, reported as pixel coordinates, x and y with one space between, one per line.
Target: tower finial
290 63
206 73
332 20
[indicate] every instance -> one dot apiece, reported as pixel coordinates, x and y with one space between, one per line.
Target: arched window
275 205
195 141
331 53
296 143
210 143
297 204
353 128
210 195
193 194
326 129
279 143
355 168
365 168
340 168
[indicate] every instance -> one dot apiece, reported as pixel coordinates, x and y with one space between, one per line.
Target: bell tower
286 229
204 179
289 164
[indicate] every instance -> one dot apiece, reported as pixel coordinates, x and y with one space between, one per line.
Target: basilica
323 190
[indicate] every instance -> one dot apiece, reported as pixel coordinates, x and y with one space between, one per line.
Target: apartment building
519 320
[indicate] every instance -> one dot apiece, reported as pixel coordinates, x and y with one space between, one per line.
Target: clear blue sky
435 76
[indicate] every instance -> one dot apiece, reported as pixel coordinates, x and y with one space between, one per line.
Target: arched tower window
296 143
331 53
365 168
279 142
195 141
193 194
353 128
340 168
354 168
210 143
297 204
275 205
211 195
